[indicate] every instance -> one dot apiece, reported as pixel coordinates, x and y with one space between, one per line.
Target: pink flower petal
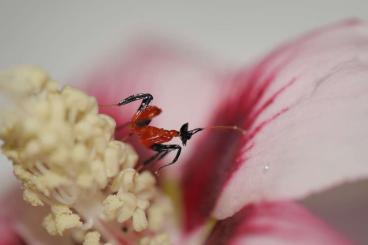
305 108
311 131
8 234
273 223
177 79
185 85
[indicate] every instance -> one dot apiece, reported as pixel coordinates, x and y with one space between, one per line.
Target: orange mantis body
153 137
150 135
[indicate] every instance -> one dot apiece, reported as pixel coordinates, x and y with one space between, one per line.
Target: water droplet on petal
266 168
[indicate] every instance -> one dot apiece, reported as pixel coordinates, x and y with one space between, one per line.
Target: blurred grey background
64 37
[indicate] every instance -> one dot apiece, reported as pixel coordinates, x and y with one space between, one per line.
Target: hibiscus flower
303 106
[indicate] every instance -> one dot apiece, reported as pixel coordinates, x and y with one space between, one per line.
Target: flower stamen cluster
65 156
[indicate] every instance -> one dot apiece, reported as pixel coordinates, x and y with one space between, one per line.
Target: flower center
64 154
